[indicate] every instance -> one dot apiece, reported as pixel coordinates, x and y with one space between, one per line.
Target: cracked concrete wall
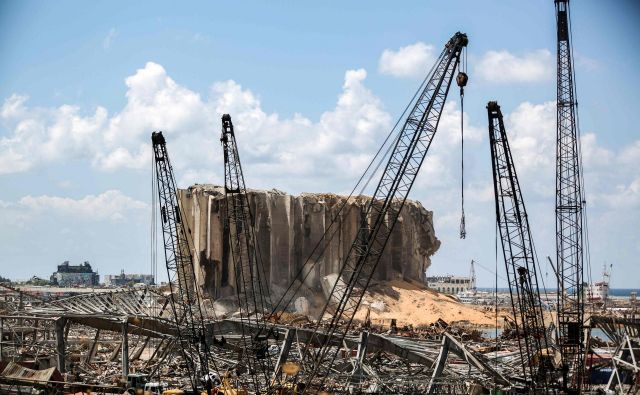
289 227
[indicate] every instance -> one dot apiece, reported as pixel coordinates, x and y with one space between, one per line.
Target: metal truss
569 211
251 285
382 211
518 252
180 268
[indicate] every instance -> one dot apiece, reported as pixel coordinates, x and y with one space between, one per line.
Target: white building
450 284
122 279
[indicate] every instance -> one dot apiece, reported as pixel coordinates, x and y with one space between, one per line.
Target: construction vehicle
380 216
184 298
519 257
569 212
136 382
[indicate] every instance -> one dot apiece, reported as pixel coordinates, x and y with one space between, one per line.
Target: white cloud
612 179
13 107
593 154
111 205
298 147
410 61
296 153
449 126
293 153
43 135
294 146
108 40
630 155
626 196
532 136
505 67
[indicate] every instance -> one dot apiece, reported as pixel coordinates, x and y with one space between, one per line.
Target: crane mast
251 285
186 306
382 211
518 252
569 211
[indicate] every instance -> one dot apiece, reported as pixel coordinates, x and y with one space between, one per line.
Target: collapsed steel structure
100 338
97 339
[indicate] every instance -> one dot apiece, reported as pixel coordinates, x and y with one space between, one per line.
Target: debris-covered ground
102 340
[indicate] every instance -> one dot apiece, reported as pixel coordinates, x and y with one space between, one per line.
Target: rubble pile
101 340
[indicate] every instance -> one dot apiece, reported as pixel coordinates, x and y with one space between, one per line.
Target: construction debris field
269 293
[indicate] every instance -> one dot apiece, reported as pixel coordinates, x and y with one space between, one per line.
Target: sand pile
411 303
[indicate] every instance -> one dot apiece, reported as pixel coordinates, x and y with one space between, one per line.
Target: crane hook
461 79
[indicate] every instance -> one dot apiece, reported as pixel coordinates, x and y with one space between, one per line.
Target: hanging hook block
461 79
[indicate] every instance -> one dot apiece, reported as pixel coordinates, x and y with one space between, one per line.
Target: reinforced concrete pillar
125 349
60 324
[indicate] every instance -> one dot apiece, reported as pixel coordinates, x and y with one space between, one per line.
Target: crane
180 271
382 211
251 285
519 255
569 212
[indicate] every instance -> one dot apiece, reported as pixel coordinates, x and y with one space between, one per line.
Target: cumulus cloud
41 135
410 61
532 136
622 196
505 67
611 177
291 153
630 155
271 145
297 146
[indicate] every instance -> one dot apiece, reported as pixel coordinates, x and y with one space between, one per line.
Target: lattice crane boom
382 212
519 254
251 285
180 271
569 211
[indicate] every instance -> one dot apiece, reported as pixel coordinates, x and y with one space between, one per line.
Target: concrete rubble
94 341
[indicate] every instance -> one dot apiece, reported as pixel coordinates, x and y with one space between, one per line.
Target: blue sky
83 84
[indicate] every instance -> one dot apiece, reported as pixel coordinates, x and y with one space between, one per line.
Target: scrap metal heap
99 340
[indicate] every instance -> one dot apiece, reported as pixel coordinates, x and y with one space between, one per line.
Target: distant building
122 279
450 284
75 275
35 280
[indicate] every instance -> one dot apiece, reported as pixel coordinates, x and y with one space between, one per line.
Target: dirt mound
411 303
